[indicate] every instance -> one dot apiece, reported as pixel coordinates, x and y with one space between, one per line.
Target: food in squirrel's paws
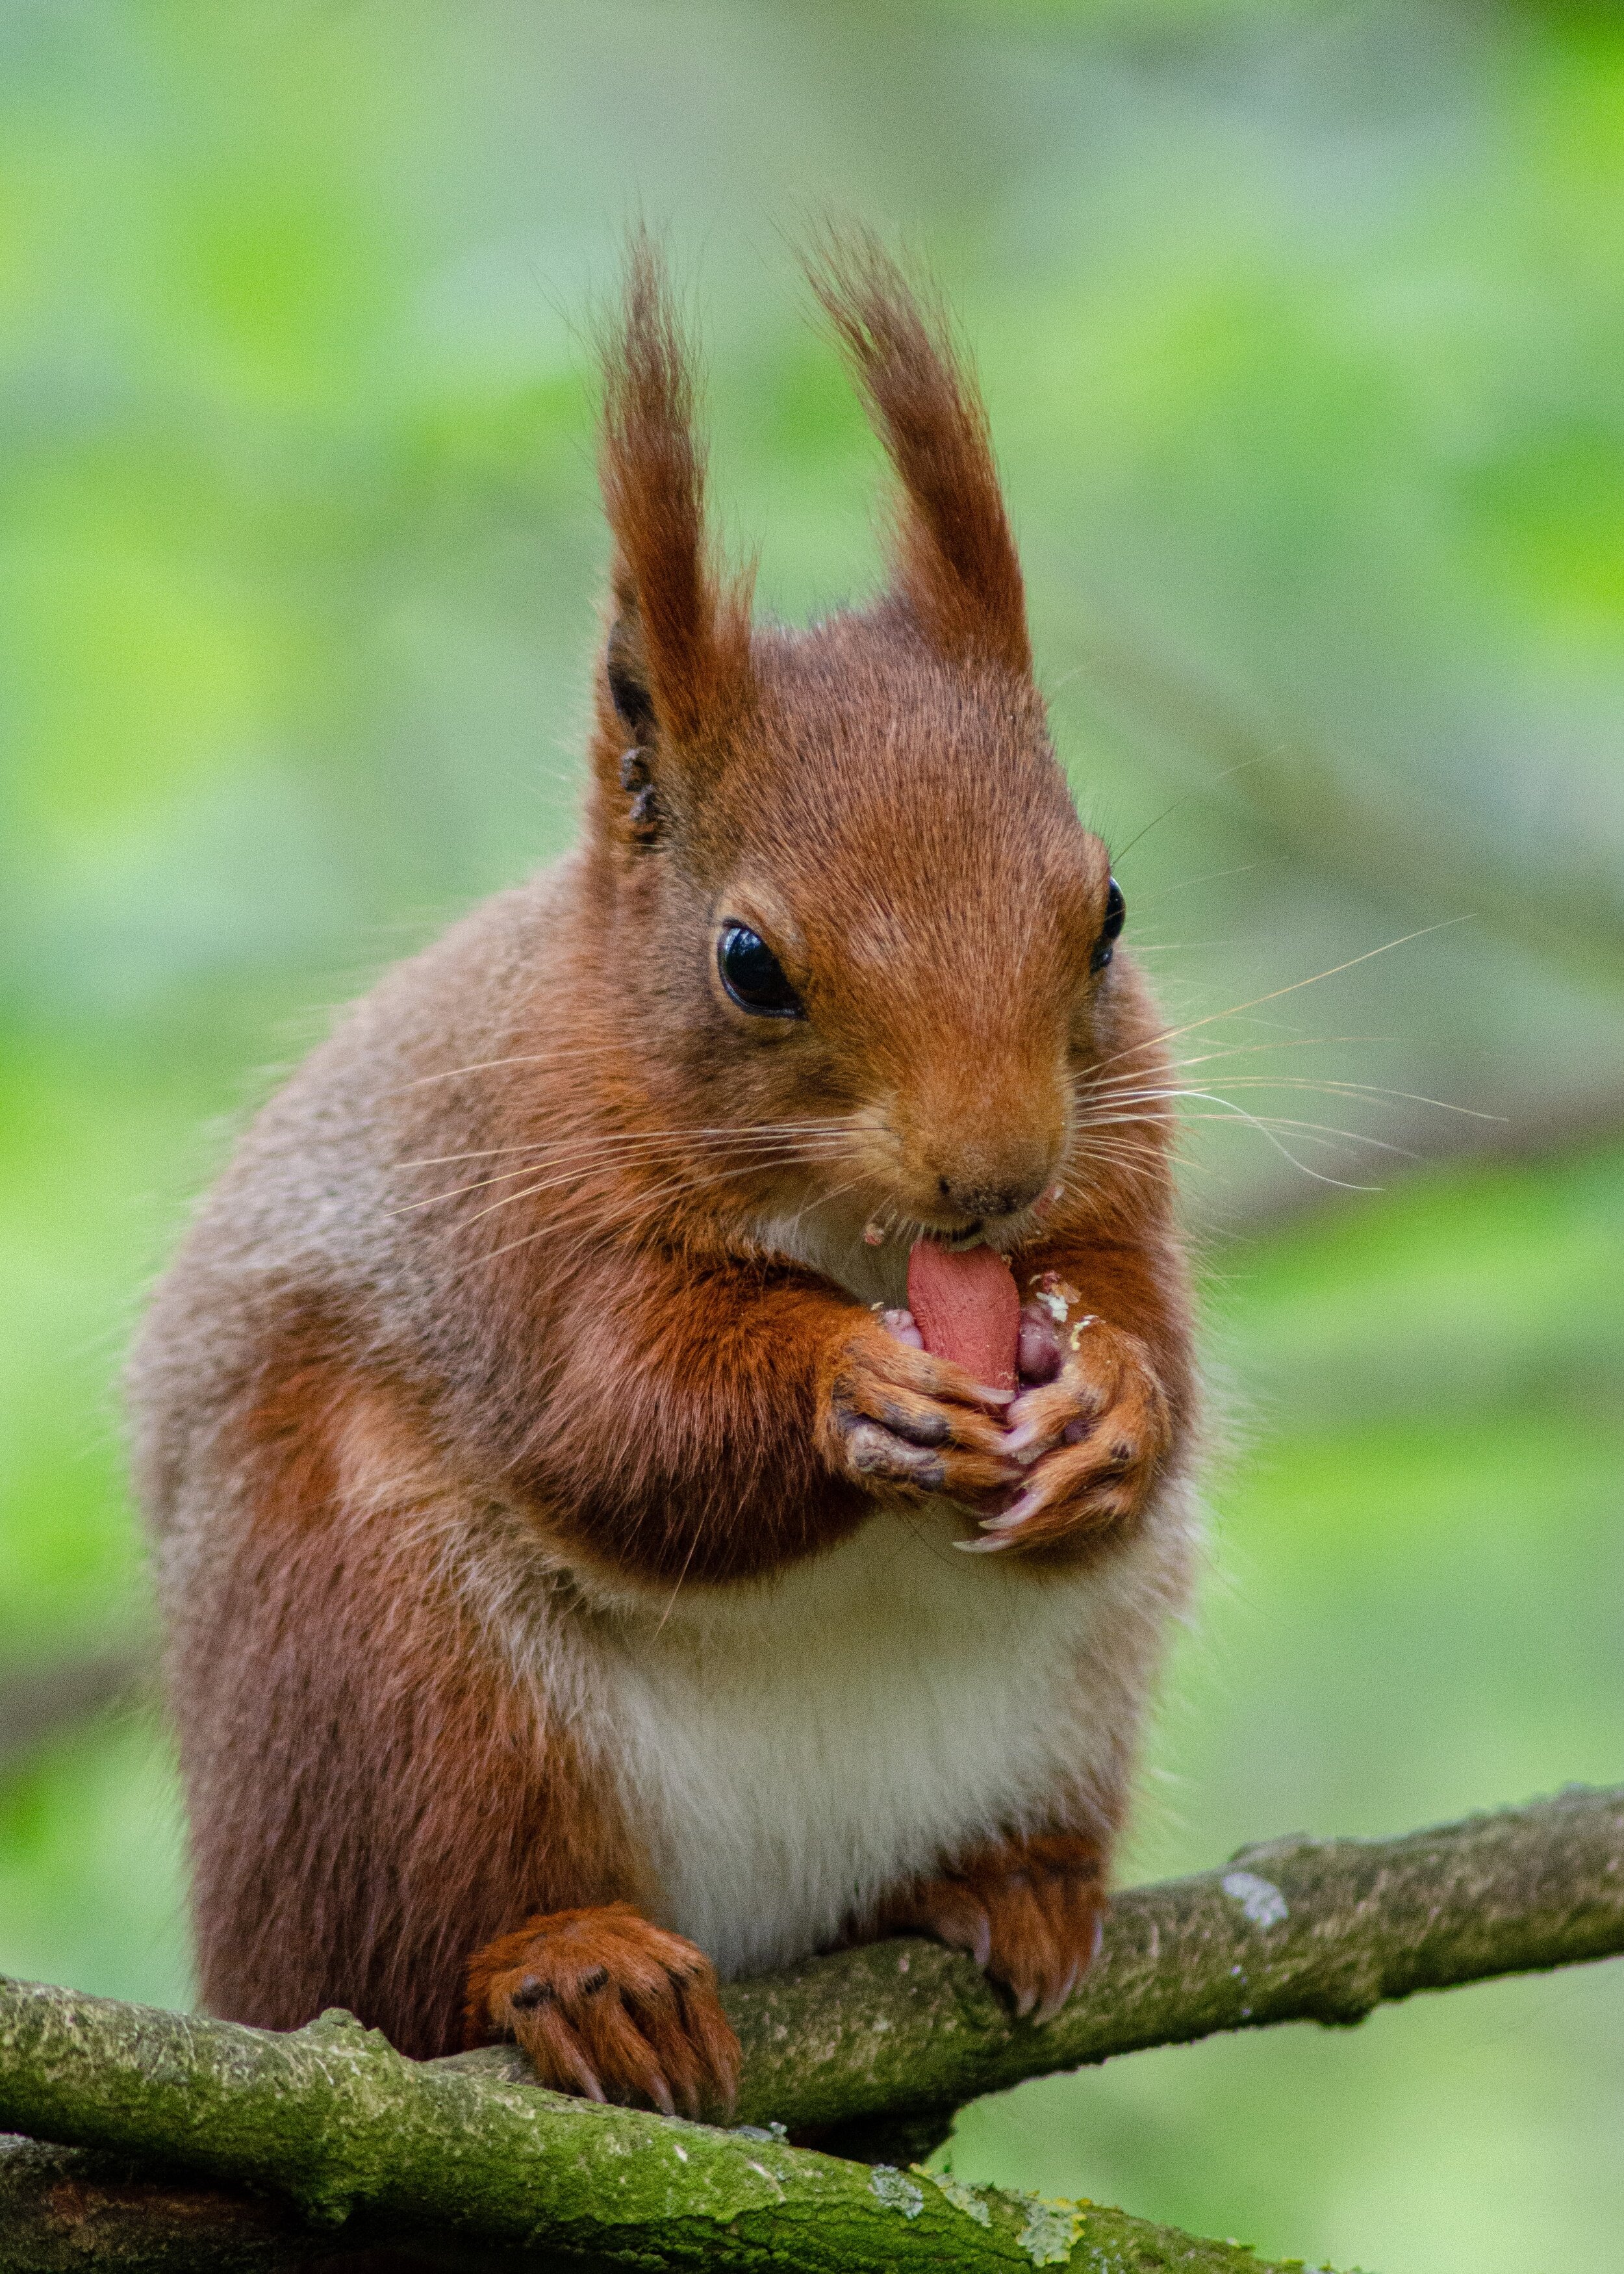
966 1305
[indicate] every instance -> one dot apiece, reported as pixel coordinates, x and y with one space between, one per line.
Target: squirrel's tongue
966 1305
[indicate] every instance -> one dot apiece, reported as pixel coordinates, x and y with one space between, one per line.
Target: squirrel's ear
678 658
955 562
626 669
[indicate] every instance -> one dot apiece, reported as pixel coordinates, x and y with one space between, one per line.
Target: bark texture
66 2210
332 2120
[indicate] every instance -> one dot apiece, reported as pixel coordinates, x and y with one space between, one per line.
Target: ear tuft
683 639
955 559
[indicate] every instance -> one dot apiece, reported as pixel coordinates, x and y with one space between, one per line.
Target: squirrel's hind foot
1029 1910
605 2003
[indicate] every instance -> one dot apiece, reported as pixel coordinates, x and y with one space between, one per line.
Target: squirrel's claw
894 1415
1029 1910
607 2005
1087 1443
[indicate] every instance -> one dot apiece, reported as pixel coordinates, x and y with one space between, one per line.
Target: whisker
1353 1093
636 1136
767 1158
1130 1098
571 1053
1188 884
573 1176
1329 1085
822 1199
1229 773
1266 1127
1275 994
1319 1132
1275 1120
808 1147
607 1226
1120 1156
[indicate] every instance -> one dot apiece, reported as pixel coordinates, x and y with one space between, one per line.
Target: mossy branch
1298 1930
330 2123
333 2122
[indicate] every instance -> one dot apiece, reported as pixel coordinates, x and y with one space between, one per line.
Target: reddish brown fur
955 561
692 635
378 1727
505 1315
1029 1910
597 1991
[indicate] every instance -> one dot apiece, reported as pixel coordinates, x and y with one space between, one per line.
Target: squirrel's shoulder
309 1197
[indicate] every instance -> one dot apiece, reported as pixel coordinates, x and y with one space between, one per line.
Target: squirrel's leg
376 1791
1029 1910
606 2004
709 1421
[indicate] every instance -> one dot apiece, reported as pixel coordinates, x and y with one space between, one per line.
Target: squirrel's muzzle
982 1155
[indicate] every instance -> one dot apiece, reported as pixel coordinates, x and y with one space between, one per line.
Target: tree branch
65 2209
331 2121
1299 1929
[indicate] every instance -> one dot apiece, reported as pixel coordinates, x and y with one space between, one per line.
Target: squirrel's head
859 938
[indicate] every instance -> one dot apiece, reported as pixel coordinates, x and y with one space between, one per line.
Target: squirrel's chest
788 1752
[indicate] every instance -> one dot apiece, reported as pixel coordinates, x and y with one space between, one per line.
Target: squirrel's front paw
607 2005
1028 1910
890 1415
1090 1439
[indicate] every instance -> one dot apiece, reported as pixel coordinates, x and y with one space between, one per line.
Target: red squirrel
583 1583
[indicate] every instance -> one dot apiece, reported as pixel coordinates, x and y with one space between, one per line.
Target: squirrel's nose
979 1196
987 1146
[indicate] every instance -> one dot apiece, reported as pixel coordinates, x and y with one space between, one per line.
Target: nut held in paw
967 1306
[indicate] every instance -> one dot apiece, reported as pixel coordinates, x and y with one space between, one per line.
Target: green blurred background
1303 332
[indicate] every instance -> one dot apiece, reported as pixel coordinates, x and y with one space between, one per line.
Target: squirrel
585 1584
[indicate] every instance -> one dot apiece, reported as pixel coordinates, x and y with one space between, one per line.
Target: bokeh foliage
1303 332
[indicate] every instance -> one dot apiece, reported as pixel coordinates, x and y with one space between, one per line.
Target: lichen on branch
333 2122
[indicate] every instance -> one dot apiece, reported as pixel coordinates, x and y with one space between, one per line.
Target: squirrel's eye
753 976
1110 930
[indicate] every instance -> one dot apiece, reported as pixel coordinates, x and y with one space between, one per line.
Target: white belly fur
790 1750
